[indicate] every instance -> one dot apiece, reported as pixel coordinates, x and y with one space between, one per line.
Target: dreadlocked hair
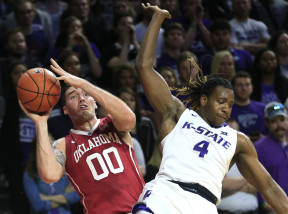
191 92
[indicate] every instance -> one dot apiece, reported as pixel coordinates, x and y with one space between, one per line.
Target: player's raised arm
49 164
155 87
249 166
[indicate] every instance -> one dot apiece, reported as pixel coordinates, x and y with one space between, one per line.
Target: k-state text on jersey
206 132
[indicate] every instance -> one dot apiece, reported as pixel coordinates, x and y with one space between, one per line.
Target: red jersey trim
131 156
83 196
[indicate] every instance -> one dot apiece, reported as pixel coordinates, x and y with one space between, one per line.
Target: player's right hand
156 9
65 76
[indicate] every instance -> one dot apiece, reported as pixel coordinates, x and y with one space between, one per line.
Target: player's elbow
142 64
50 177
130 121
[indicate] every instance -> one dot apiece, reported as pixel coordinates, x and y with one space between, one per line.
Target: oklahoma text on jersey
95 142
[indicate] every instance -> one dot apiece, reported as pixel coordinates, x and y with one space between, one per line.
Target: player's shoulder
58 142
244 143
177 107
241 137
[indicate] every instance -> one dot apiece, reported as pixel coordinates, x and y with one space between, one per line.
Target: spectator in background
54 8
279 44
220 33
238 196
123 7
248 113
247 33
36 26
269 84
174 36
93 26
197 37
125 76
71 37
15 49
223 64
17 134
169 75
218 9
47 198
273 149
185 69
144 130
141 27
173 7
121 45
271 12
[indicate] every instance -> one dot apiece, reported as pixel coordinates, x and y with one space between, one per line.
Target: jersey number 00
105 155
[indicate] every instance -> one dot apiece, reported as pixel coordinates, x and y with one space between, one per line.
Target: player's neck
85 125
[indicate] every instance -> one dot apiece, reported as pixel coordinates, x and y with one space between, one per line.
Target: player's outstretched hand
64 75
156 9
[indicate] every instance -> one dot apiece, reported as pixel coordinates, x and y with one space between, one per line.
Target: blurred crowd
246 41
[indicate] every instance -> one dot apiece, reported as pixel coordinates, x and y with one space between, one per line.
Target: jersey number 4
202 147
105 155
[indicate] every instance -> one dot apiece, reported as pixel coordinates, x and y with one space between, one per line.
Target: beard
278 133
86 115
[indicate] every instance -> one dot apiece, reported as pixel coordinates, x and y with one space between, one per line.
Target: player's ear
95 105
203 100
65 110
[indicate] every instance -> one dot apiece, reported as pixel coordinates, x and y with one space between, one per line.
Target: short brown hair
174 26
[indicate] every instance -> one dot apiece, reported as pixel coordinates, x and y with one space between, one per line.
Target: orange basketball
38 90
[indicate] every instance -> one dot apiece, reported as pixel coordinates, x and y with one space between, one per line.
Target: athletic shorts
165 197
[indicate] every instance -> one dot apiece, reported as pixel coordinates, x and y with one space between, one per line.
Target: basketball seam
24 89
49 93
43 89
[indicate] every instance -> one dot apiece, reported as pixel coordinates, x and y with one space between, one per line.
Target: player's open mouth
83 106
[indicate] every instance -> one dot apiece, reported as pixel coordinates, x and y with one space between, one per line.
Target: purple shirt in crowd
250 118
268 94
274 157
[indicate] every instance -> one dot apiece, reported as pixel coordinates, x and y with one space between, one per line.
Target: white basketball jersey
196 152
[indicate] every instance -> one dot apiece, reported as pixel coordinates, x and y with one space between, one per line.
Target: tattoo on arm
60 157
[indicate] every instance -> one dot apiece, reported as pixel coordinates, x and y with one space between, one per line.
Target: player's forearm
48 167
277 198
148 45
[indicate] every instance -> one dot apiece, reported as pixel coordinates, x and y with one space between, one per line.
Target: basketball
38 90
